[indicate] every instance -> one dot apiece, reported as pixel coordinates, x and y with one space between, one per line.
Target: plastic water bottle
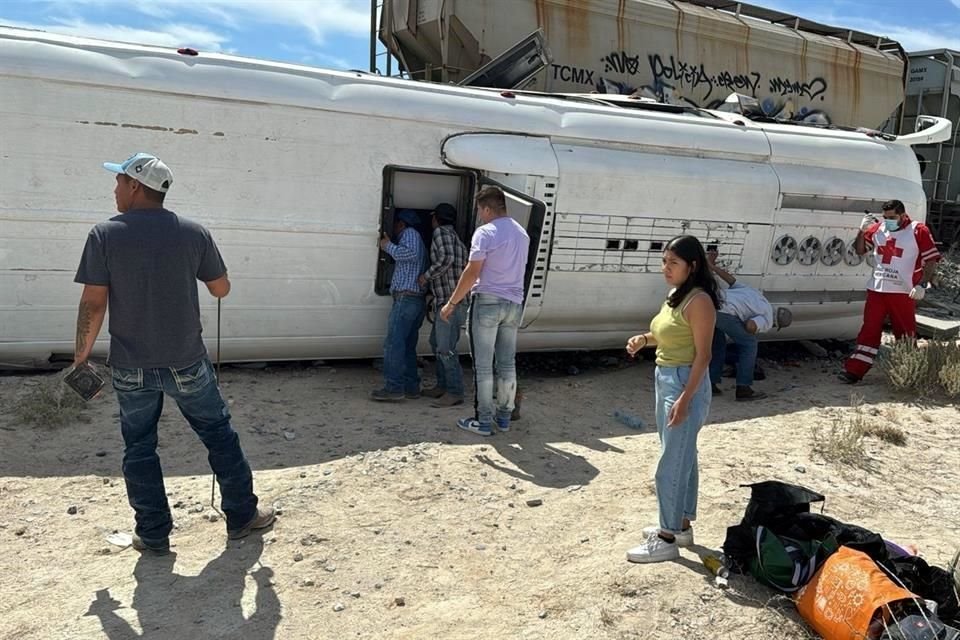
628 419
717 566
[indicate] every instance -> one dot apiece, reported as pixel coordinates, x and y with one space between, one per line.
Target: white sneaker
655 549
684 538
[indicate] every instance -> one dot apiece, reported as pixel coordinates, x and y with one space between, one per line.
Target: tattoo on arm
84 320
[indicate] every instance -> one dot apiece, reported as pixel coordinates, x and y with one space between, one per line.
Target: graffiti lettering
739 82
621 62
811 90
689 83
683 73
576 75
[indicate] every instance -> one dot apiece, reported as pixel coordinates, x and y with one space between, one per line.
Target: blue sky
335 33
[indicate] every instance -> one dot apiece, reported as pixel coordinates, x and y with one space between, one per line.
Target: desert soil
395 524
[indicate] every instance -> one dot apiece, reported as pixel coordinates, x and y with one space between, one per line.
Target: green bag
787 564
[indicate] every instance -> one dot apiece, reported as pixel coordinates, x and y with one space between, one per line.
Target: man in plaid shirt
448 258
400 375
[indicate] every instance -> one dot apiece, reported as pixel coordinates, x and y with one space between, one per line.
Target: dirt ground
395 524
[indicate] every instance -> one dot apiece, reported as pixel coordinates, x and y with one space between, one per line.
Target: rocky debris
311 539
534 502
400 602
72 510
297 557
338 607
814 349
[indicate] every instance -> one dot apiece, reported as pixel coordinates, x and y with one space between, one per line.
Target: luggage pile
848 583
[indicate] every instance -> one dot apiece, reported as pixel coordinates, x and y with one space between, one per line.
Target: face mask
891 225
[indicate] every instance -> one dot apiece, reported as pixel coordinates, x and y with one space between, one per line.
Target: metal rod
213 477
373 36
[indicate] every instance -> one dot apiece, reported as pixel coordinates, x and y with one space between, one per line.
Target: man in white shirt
744 314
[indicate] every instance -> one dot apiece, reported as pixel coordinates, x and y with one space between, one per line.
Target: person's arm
723 274
864 240
929 271
220 287
639 342
467 279
441 259
719 271
929 257
212 271
93 308
761 313
404 249
702 317
929 254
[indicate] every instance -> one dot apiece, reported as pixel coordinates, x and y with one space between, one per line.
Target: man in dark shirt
448 258
144 265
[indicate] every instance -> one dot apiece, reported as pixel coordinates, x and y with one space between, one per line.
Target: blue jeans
400 372
678 477
492 325
444 338
729 325
194 388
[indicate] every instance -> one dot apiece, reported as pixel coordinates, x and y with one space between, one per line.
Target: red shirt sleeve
868 235
928 248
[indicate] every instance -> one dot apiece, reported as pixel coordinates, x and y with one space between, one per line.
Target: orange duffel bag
844 596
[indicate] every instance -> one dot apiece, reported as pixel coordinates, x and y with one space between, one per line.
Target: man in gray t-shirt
144 266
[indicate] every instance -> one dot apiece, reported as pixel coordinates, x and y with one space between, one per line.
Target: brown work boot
262 520
446 401
747 393
435 392
159 547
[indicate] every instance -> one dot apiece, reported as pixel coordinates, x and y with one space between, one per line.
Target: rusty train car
692 53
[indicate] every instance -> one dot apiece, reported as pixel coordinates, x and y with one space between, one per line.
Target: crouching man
745 313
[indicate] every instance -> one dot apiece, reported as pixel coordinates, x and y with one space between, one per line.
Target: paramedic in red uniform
906 259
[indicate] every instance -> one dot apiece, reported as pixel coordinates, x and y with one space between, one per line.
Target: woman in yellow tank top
683 335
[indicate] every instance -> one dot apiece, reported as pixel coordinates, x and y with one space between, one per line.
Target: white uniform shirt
746 303
900 256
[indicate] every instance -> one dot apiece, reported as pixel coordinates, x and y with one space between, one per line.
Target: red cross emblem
890 251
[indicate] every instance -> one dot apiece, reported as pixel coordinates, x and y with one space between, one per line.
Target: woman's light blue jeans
678 478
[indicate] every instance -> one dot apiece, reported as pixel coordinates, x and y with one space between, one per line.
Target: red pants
902 312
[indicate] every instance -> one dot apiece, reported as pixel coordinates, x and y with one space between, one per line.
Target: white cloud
943 36
170 35
912 39
319 18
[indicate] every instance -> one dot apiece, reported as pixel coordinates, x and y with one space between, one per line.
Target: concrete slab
930 327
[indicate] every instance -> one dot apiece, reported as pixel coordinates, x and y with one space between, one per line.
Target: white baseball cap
145 169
